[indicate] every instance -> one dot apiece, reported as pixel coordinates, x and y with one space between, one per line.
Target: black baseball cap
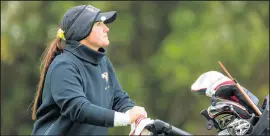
78 21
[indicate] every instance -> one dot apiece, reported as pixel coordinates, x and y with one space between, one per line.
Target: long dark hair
54 48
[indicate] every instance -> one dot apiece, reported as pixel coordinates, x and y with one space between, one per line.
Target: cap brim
106 17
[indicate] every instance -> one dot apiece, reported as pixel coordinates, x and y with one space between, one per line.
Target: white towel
138 127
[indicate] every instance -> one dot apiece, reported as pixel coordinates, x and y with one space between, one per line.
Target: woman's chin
106 43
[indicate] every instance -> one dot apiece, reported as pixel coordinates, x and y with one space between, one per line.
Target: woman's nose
106 29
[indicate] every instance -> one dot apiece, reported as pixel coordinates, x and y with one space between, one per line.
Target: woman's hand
136 112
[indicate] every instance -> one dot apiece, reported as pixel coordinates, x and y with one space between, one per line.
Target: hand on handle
136 112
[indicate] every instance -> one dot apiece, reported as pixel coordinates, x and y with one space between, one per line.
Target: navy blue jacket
80 95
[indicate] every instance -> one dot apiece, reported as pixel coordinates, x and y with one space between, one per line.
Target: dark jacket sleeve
122 101
67 92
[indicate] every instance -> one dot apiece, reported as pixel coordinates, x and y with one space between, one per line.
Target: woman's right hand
136 112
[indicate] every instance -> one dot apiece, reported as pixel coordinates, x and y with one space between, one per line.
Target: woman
79 92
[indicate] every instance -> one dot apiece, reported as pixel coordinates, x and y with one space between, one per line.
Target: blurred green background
158 49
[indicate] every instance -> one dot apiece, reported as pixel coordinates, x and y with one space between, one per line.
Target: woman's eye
98 24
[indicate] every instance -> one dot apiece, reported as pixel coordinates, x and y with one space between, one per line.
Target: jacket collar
83 52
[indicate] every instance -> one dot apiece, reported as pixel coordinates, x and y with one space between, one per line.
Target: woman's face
98 37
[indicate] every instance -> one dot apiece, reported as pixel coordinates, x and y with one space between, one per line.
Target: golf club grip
176 131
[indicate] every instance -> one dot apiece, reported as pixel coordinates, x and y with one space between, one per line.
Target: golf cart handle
159 127
177 131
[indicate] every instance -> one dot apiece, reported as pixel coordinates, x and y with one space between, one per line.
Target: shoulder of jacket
63 59
107 61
